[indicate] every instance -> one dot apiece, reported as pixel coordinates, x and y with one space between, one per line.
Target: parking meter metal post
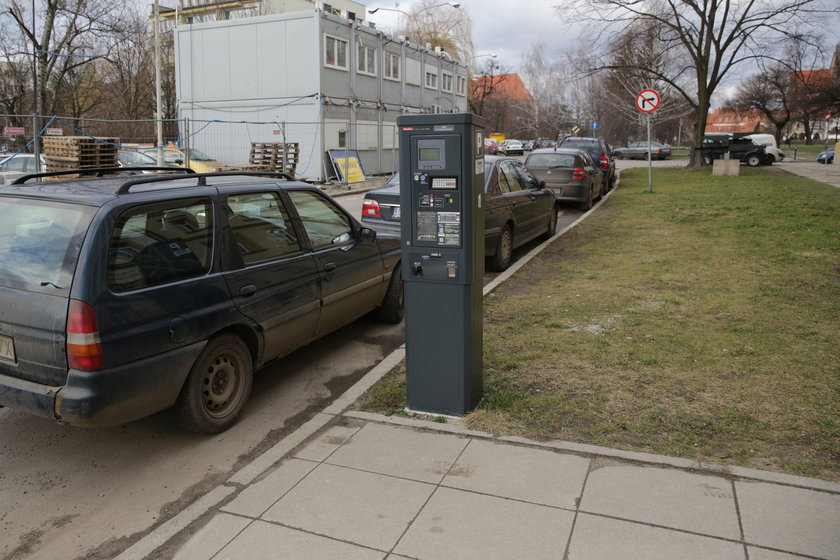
442 193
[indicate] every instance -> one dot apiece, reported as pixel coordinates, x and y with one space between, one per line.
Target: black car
641 150
570 173
738 146
600 152
518 208
124 296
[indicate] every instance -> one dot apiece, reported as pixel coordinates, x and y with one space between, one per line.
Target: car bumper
572 192
106 397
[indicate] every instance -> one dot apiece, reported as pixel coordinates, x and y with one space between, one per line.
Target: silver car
17 166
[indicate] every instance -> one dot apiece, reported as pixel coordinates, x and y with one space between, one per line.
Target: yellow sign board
350 168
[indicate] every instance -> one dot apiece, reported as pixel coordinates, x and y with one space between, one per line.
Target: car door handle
247 290
329 267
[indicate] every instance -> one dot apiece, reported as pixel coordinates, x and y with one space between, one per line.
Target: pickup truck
716 146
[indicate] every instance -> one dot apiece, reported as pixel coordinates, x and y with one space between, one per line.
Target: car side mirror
178 162
541 184
367 234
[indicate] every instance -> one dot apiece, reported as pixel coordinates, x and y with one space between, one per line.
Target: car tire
587 205
217 386
504 251
753 160
393 304
552 224
708 159
618 155
771 159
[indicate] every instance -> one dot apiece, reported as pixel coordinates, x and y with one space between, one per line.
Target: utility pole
158 102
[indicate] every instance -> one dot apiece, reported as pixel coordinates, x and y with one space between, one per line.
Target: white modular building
319 80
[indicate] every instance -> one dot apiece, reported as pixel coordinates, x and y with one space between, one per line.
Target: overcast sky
507 28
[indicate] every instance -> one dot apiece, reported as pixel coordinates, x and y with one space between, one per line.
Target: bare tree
707 38
430 23
66 35
768 92
547 79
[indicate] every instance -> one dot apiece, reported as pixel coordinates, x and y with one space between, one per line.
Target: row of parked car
522 199
18 165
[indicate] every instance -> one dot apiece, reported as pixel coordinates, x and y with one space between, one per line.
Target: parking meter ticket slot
436 265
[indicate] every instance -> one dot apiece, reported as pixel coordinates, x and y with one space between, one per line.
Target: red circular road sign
648 101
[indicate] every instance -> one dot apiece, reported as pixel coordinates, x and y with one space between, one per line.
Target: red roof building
507 87
729 121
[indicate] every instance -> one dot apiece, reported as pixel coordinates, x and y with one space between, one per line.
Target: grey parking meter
441 194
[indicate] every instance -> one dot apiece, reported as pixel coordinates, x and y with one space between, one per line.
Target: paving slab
360 507
400 452
510 471
663 496
213 537
325 445
468 526
795 520
601 538
258 497
265 541
764 554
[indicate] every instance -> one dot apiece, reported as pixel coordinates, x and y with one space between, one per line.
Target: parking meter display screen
429 154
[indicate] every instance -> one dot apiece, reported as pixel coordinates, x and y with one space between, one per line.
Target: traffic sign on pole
648 101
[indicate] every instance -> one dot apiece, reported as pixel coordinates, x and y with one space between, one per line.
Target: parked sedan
518 208
600 152
198 160
17 166
570 173
826 156
641 150
512 148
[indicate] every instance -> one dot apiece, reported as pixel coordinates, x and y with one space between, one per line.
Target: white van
769 143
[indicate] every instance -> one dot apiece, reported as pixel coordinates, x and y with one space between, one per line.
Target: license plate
7 348
396 212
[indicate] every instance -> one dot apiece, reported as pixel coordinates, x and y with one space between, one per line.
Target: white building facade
310 77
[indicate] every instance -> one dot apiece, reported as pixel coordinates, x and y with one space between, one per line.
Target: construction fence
299 148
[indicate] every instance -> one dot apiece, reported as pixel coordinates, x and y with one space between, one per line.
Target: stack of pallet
79 152
276 156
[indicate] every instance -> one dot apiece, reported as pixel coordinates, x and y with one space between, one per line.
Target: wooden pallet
278 156
79 152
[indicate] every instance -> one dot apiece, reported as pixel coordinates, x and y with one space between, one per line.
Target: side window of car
261 227
158 243
509 176
324 222
14 164
528 180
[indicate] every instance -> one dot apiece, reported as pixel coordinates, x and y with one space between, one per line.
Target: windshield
37 241
129 158
196 155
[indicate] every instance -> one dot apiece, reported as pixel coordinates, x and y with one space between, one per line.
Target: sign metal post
648 101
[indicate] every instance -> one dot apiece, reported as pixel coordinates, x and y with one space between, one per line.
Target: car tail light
604 162
371 208
578 174
84 349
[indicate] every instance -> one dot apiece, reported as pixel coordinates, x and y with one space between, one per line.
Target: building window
392 66
366 62
460 85
431 80
335 52
446 82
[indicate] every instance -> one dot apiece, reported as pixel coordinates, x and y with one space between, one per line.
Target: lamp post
36 150
158 102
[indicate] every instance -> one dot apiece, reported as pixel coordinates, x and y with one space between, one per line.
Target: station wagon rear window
37 239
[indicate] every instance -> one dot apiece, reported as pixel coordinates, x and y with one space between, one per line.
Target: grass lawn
700 320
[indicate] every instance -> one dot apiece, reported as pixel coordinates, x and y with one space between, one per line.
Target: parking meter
442 231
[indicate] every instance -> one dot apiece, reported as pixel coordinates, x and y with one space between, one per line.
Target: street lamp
453 4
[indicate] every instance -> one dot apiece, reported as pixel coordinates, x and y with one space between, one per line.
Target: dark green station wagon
121 297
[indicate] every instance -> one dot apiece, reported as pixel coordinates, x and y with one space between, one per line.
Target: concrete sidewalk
366 486
811 169
350 484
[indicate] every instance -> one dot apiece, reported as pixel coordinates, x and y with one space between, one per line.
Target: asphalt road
68 492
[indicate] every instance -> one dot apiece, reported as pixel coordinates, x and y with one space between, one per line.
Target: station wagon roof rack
91 172
201 177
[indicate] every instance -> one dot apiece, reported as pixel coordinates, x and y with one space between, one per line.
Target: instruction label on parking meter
443 228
